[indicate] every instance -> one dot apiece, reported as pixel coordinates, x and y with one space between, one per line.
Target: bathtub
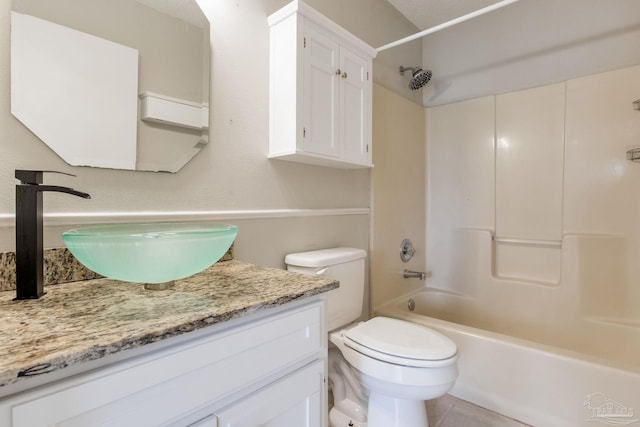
534 382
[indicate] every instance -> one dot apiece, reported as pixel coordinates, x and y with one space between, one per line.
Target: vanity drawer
165 386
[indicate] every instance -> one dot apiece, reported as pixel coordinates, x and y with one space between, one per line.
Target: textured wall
232 172
528 44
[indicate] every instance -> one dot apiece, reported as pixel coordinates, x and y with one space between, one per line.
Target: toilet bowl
381 370
401 365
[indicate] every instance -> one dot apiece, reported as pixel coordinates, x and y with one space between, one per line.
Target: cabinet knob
344 75
338 72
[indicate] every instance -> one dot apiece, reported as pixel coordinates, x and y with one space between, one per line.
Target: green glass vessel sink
150 253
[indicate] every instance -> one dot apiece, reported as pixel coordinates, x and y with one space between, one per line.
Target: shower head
420 77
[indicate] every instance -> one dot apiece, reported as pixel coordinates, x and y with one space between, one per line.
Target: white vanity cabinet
294 401
320 90
263 370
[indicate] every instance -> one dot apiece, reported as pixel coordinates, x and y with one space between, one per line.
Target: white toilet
381 370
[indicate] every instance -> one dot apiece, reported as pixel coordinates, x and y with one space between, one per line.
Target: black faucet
29 247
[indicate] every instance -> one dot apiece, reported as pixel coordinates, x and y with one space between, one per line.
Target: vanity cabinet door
294 401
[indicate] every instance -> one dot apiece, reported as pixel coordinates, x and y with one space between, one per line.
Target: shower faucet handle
407 250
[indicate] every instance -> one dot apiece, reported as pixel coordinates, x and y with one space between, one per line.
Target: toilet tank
344 305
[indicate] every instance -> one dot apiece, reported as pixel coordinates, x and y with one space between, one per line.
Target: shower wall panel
529 162
529 168
602 188
461 164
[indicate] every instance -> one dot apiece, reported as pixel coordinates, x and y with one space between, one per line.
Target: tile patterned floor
448 411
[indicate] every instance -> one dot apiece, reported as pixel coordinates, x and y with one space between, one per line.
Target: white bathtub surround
533 233
534 169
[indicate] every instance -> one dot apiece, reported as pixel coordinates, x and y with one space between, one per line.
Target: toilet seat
401 343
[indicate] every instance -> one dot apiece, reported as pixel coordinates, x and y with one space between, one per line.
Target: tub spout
408 274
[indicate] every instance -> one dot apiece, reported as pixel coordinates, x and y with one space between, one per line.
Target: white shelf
173 111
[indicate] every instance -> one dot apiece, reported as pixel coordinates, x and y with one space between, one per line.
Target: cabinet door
355 107
295 401
320 92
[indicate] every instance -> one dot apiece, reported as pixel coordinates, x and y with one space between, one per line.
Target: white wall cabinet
270 371
320 90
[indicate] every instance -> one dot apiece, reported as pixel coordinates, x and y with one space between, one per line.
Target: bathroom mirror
120 84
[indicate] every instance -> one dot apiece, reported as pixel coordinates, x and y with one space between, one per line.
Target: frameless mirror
121 84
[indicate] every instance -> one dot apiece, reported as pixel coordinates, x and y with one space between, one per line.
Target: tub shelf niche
529 260
529 242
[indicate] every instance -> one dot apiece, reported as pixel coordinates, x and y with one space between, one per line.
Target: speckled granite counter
82 321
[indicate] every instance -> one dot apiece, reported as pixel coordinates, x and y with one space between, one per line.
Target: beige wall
232 173
399 193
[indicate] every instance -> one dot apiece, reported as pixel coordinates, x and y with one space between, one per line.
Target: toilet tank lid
324 257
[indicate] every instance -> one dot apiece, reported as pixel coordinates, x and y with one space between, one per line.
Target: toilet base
386 411
340 419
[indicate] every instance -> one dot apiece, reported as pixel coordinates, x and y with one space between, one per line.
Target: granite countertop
82 321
